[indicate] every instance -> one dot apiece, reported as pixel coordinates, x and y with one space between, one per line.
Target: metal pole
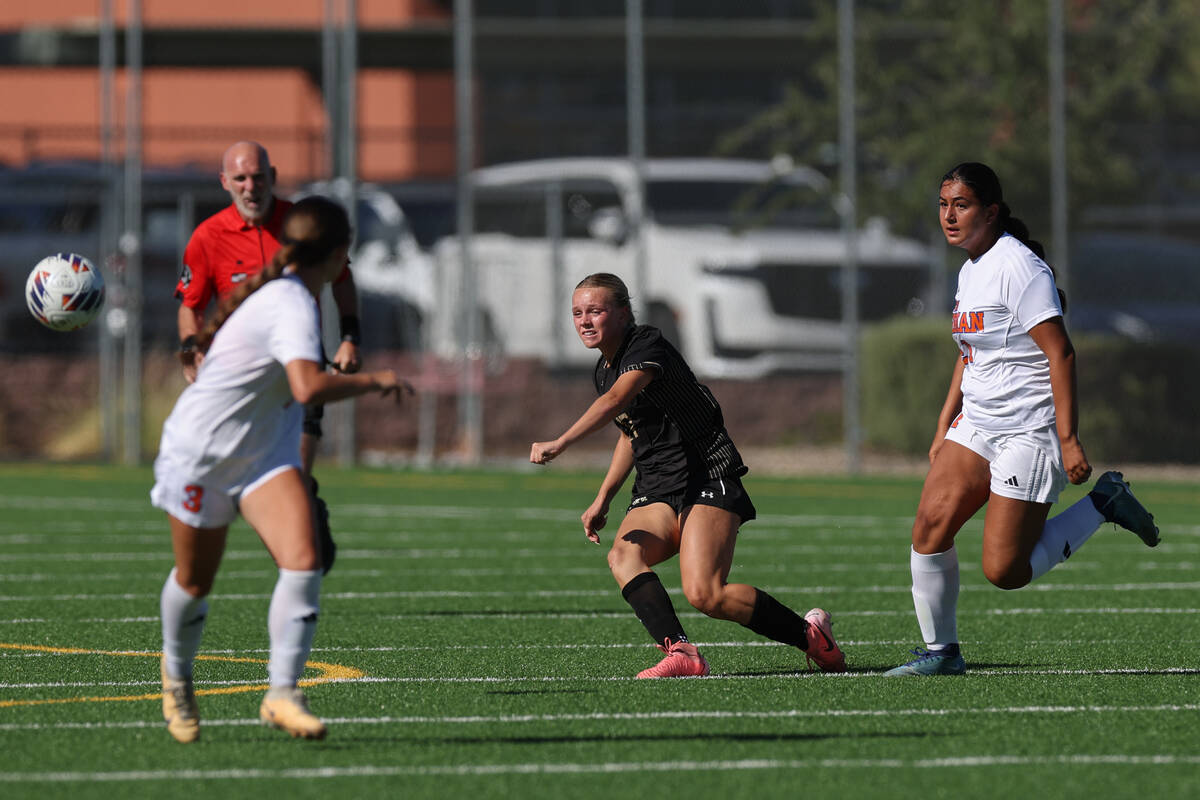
109 413
344 419
558 289
1058 147
329 85
849 212
470 408
131 237
635 103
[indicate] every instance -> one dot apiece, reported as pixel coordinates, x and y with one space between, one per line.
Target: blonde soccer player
688 498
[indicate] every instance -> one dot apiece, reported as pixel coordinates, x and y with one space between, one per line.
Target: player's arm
1051 336
601 412
345 297
194 290
596 515
310 383
950 408
189 321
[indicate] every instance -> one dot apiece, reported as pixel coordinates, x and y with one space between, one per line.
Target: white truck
742 261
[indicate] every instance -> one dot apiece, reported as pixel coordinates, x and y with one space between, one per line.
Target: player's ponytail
983 181
312 230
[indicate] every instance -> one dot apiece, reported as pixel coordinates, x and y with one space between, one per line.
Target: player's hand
936 447
545 452
389 384
1075 461
348 358
189 372
594 519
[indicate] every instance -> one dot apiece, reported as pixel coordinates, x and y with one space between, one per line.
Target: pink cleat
683 661
822 649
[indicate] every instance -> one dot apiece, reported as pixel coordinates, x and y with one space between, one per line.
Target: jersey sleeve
645 352
1038 301
295 333
195 286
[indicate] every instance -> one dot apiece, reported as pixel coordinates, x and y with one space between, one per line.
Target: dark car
1135 285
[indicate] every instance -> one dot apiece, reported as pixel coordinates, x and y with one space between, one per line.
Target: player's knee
1007 575
622 557
931 531
704 596
194 584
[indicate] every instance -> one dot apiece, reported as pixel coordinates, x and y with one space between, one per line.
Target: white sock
1063 535
182 626
292 620
935 596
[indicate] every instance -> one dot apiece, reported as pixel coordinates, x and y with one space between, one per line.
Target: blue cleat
1113 499
927 663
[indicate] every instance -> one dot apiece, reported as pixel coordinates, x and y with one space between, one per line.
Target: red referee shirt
225 250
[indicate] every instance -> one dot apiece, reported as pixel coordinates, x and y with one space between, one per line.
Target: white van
742 261
393 275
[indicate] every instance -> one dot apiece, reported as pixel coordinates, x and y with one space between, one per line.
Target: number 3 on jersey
195 494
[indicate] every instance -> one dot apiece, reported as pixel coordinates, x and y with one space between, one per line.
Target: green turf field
472 644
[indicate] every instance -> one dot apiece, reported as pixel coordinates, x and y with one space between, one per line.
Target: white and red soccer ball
64 292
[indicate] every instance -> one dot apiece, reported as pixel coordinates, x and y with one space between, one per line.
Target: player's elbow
306 391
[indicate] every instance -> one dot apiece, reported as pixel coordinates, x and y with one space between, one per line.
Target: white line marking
687 767
550 593
497 679
512 719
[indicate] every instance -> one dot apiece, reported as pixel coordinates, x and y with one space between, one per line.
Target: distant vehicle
743 261
394 276
1138 286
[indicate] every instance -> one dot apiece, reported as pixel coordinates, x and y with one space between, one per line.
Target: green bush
1135 399
906 369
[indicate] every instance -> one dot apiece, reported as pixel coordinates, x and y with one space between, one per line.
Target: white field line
500 679
624 615
415 648
747 550
497 572
650 716
83 533
688 768
555 593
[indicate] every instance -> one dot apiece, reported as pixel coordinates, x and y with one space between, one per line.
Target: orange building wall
215 13
405 119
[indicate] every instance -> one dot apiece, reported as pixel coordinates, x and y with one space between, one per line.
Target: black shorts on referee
726 493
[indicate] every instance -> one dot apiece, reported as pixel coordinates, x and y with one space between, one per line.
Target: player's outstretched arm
601 412
311 384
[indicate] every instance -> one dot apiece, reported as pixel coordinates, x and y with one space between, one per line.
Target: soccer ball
64 292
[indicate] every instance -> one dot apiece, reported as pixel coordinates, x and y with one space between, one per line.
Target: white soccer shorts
211 501
1025 465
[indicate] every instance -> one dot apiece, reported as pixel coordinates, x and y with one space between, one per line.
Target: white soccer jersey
1001 296
240 407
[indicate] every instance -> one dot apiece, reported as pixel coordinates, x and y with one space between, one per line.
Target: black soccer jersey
675 424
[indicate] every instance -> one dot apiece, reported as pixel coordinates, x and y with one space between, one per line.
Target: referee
688 497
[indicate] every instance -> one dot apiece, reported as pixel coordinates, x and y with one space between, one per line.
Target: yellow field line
329 672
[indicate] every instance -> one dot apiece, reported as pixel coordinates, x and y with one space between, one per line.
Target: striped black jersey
675 424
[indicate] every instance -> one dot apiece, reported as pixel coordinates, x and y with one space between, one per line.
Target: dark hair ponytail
983 181
311 231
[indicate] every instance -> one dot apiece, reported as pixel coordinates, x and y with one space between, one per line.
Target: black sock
646 594
774 620
949 651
